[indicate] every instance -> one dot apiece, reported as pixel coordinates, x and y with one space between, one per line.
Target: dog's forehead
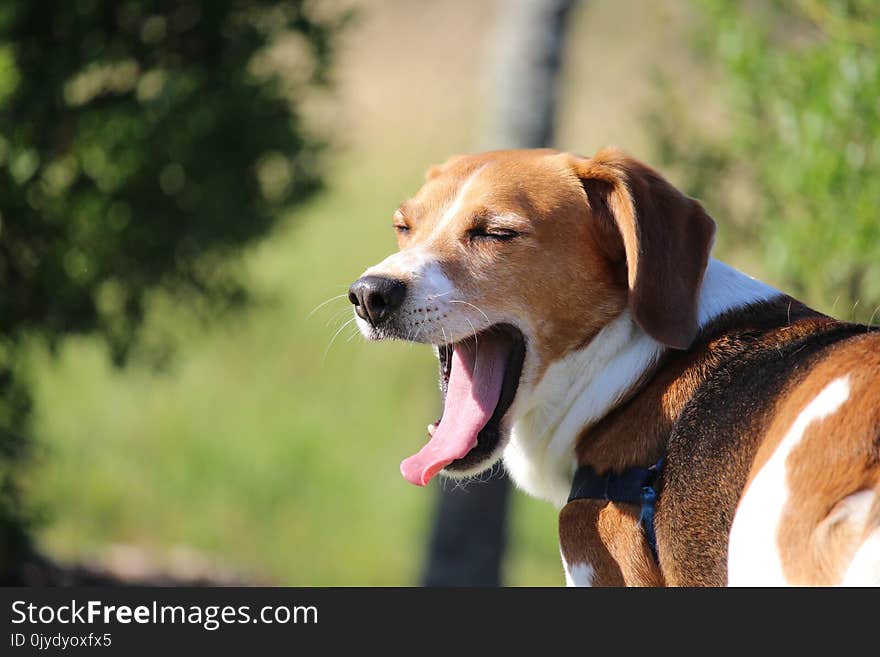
500 180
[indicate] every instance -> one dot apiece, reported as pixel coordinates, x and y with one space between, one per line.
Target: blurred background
187 188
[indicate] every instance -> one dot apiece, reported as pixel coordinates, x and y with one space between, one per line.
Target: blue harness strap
633 486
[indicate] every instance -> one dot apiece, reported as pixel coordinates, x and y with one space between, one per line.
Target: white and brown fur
638 344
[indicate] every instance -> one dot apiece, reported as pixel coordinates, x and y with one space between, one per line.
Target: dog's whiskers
337 316
335 335
479 310
476 347
324 303
410 338
431 297
356 332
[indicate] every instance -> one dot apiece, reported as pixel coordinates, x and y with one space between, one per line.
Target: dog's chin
477 462
493 437
370 332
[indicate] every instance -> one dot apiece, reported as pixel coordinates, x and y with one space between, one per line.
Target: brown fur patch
712 446
620 556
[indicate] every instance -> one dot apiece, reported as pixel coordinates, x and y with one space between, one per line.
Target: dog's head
511 260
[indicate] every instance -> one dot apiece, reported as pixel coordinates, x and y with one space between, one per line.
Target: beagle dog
587 338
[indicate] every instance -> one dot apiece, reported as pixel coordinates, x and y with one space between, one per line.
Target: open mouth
479 377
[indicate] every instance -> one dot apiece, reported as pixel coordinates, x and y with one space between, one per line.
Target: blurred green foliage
793 169
141 144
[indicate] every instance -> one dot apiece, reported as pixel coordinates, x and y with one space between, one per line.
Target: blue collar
634 486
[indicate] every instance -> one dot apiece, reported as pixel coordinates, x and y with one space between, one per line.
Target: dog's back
814 485
777 450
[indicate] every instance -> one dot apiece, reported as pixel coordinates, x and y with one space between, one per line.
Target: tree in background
142 143
793 172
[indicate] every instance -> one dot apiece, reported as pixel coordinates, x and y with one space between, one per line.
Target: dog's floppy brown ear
666 239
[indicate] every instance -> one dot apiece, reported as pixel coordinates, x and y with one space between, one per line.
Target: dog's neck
586 385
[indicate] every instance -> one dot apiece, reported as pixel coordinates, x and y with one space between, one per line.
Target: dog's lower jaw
481 469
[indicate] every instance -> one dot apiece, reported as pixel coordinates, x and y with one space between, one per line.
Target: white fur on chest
574 393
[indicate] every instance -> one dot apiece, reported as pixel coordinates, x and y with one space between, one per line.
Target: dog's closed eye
495 234
400 222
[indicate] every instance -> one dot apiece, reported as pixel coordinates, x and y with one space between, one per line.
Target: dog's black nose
376 297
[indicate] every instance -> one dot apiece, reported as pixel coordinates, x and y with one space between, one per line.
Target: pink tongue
471 397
